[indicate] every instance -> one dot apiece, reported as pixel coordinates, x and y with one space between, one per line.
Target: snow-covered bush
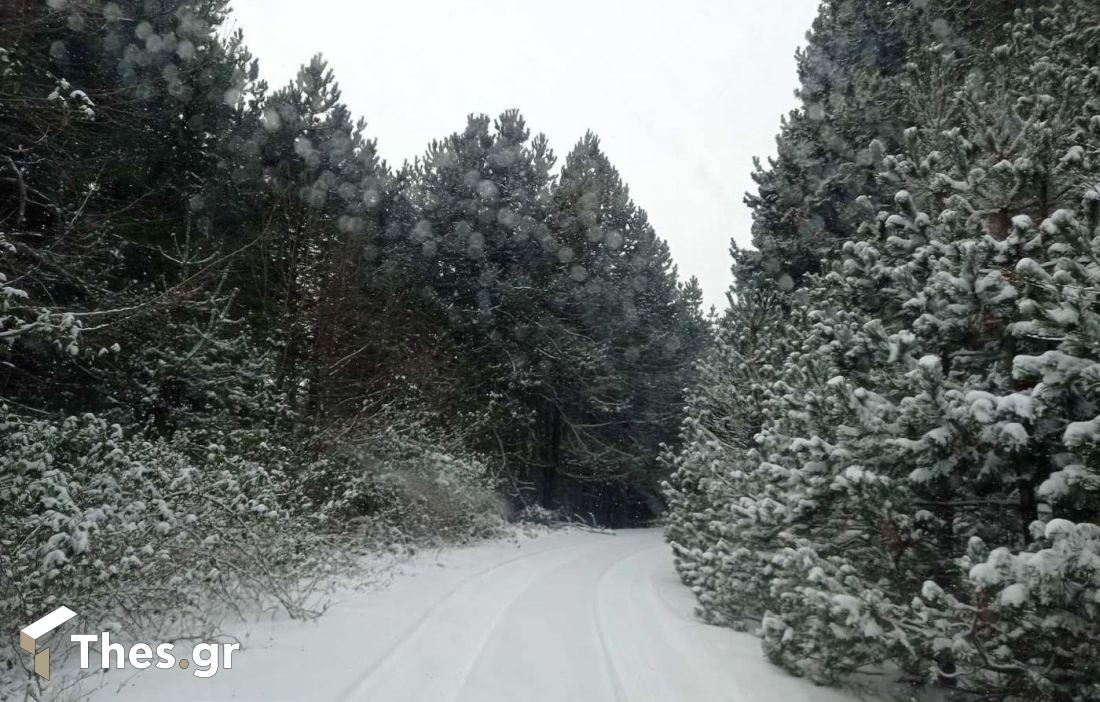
1028 623
537 514
407 478
141 536
827 618
220 497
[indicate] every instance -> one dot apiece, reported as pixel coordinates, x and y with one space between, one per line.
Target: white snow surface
569 616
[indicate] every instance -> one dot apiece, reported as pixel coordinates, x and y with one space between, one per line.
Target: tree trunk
551 458
610 507
1028 508
942 573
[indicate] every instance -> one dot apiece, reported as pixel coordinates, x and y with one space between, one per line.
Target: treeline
893 454
225 320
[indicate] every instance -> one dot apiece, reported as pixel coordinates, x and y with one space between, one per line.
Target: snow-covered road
570 616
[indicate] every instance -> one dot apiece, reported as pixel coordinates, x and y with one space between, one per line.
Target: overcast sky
682 93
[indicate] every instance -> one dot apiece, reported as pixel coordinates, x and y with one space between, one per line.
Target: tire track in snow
355 691
667 618
419 669
601 628
503 613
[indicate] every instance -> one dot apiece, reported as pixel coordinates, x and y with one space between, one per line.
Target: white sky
682 93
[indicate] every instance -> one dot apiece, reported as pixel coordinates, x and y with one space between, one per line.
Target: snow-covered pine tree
988 260
804 199
923 486
712 467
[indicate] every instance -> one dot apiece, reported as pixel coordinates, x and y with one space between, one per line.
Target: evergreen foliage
237 348
902 468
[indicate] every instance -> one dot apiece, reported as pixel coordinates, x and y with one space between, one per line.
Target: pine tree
925 449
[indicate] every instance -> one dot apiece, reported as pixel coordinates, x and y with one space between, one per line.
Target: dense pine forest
237 348
240 353
891 458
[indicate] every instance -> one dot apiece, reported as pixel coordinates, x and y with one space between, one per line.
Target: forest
238 348
239 351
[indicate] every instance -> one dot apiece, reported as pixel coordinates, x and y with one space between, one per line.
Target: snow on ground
571 616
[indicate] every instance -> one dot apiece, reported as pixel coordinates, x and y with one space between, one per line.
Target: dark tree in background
577 335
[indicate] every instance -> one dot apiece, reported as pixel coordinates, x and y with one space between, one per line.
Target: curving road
571 616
